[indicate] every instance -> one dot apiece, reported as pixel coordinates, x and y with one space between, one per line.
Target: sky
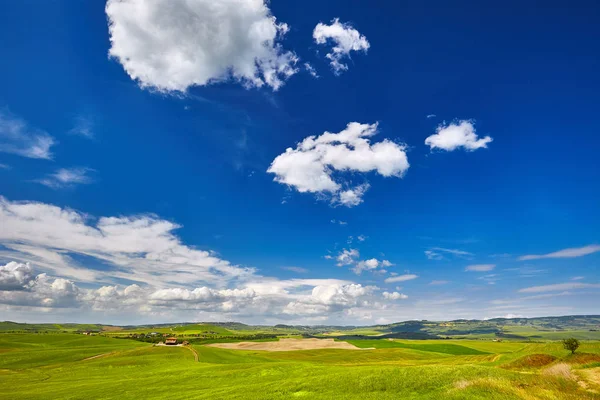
339 162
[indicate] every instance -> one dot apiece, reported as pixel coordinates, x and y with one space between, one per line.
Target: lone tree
571 344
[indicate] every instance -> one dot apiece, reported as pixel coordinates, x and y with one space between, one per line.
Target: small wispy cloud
401 278
436 283
490 279
480 267
528 272
577 278
83 126
437 253
67 177
335 221
429 116
565 253
560 287
4 166
311 70
298 270
17 137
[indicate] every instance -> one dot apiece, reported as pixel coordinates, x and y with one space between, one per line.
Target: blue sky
145 178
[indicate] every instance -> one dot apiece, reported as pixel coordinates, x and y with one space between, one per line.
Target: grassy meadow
74 366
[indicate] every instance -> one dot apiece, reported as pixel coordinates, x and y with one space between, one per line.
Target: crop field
71 366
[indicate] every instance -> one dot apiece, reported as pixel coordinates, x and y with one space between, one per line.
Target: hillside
586 327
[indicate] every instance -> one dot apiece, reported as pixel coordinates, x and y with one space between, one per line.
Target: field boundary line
99 355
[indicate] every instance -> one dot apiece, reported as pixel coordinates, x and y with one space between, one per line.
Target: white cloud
4 166
347 257
311 70
565 253
310 166
401 278
435 253
83 126
480 267
17 137
366 265
67 177
559 287
327 298
361 238
42 291
451 137
577 278
171 45
394 296
14 276
371 265
429 116
140 248
344 39
507 316
333 221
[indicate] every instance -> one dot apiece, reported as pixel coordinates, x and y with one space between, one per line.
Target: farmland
75 366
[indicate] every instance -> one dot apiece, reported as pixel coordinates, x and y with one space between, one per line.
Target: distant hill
542 328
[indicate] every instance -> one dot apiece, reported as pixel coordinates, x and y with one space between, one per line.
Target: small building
171 341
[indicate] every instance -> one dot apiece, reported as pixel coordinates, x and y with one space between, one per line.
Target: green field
58 366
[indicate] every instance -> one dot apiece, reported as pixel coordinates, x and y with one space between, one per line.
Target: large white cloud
171 45
344 38
17 137
311 165
14 276
452 136
42 291
141 248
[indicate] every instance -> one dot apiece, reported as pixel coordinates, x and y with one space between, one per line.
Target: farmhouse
171 340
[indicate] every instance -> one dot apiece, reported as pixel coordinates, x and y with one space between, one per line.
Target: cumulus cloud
452 136
401 278
565 253
17 137
394 296
171 45
310 167
347 257
370 265
14 275
67 177
327 298
41 291
344 38
480 267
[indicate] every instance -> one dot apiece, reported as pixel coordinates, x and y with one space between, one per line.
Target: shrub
571 344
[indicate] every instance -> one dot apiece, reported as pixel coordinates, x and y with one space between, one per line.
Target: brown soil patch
532 361
106 328
287 345
583 358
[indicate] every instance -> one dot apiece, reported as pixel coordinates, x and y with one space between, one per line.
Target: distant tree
571 344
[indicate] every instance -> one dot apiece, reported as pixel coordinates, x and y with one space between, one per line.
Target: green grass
54 366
